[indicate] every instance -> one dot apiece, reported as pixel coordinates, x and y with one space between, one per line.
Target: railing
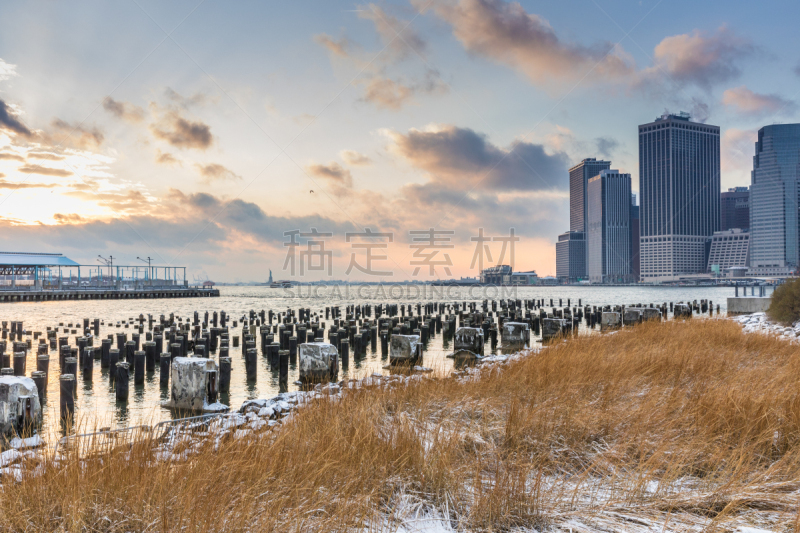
761 291
103 439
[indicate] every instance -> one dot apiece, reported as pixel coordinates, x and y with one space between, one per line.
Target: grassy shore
663 427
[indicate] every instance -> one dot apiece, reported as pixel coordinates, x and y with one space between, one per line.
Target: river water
96 402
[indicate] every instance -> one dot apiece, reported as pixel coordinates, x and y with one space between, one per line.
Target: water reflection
95 393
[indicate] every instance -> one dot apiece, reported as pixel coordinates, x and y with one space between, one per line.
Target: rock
631 316
551 327
316 360
470 339
651 313
609 320
189 378
404 348
515 333
19 403
682 311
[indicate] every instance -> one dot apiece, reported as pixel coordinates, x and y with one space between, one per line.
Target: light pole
149 270
110 264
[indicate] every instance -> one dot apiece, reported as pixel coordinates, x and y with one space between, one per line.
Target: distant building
524 278
729 248
735 209
634 239
774 224
496 275
579 176
571 256
609 223
679 188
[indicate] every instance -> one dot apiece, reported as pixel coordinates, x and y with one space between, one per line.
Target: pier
43 277
7 296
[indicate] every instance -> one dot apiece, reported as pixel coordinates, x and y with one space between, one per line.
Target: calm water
96 399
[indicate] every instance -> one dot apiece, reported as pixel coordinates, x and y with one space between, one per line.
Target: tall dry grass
682 423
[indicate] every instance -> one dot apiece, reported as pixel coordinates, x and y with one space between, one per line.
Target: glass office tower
774 230
609 221
679 189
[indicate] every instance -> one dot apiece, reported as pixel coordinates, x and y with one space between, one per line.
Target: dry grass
663 426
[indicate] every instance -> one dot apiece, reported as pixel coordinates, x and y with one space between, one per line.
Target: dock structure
39 277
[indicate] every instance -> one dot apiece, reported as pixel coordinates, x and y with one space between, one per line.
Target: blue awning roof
22 259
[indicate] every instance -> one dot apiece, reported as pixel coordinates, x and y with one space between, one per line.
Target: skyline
195 132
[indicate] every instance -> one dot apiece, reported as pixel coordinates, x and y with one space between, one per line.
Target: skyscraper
579 177
609 221
774 225
735 209
571 256
679 195
634 239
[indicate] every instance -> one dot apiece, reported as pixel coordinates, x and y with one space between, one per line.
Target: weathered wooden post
164 363
150 356
138 366
67 396
19 363
251 363
122 381
283 380
224 374
40 379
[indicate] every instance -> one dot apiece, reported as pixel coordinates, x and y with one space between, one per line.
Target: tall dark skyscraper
679 207
735 209
609 227
579 177
774 197
634 238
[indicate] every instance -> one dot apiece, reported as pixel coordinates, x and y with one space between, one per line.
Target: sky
387 141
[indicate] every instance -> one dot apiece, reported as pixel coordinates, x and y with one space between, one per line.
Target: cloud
185 101
131 201
10 122
249 219
24 184
214 172
182 133
44 155
606 145
73 232
505 33
737 147
353 158
124 110
797 69
339 47
462 159
747 102
700 58
71 218
380 86
333 172
11 157
700 111
44 171
387 93
75 135
165 158
398 38
7 70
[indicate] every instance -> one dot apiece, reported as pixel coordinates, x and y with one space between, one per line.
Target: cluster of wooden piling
279 335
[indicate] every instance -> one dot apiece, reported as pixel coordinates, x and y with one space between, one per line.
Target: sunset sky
195 132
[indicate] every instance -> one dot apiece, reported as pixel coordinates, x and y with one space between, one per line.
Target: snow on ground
760 323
